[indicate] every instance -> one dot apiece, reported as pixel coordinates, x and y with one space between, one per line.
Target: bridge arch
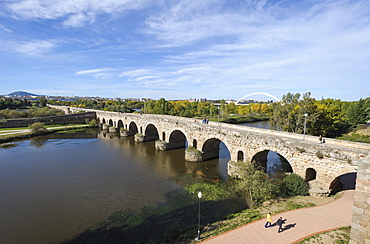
345 181
133 128
240 156
272 163
110 122
211 148
120 124
177 139
258 93
151 133
310 174
195 143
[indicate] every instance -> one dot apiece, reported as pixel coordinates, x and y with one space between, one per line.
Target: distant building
197 100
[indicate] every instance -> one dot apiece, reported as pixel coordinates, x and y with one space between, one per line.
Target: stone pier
360 227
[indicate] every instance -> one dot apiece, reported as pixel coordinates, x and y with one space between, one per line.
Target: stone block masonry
360 227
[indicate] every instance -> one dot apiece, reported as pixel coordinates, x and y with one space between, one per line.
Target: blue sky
180 49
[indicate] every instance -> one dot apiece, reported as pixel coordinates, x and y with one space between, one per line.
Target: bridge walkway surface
299 224
290 136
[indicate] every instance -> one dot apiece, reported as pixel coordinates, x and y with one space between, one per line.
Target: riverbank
245 119
176 220
15 134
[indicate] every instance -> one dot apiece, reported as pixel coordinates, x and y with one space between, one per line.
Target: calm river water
53 187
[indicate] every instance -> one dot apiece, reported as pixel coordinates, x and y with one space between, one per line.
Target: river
53 187
259 124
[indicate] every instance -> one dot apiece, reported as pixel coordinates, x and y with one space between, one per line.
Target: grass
355 137
10 129
360 135
7 137
338 236
46 126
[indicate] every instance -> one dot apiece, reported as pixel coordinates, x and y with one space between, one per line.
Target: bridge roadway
324 165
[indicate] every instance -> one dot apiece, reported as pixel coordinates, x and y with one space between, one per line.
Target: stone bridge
323 165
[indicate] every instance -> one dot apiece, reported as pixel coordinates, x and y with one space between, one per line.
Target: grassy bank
362 135
338 236
6 135
245 119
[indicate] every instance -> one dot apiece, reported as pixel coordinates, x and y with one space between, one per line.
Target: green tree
329 119
289 114
42 102
358 112
254 185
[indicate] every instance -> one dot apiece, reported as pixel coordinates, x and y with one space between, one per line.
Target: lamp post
199 196
218 118
304 127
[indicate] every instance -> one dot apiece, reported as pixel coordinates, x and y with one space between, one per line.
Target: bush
211 191
92 123
254 185
36 127
294 185
319 155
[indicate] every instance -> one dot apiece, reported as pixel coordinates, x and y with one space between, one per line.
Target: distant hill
22 93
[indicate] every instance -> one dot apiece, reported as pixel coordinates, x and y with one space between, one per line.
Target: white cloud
136 72
210 47
74 12
149 77
194 69
34 48
77 20
5 29
93 71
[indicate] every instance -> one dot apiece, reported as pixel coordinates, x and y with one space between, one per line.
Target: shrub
254 185
319 155
211 191
92 122
294 185
36 127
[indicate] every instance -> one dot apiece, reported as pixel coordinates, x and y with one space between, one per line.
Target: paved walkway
299 224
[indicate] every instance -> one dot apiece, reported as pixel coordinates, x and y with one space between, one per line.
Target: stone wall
360 228
51 120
